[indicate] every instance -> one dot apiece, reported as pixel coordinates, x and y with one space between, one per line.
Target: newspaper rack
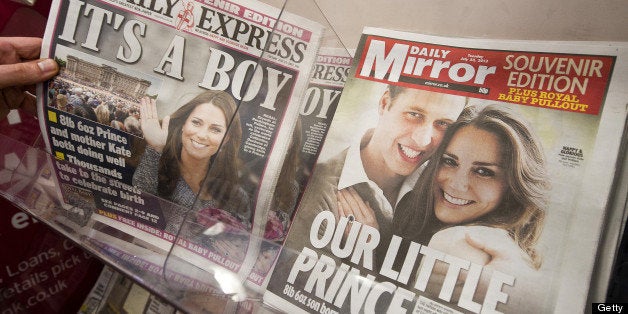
182 269
28 183
26 180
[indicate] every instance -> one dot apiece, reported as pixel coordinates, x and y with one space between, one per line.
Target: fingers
145 112
351 203
148 108
165 123
16 49
478 244
20 66
494 241
141 105
148 112
355 200
342 203
344 206
152 108
344 210
27 73
155 133
142 115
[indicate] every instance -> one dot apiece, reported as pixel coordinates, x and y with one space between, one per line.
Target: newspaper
316 113
113 116
315 116
95 300
116 293
459 175
226 243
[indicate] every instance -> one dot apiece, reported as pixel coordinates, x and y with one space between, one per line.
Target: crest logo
185 18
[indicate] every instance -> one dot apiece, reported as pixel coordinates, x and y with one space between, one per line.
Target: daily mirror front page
459 175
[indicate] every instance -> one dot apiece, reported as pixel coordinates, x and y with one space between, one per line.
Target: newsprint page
154 96
459 176
252 253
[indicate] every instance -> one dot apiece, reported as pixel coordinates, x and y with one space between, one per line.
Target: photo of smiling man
386 162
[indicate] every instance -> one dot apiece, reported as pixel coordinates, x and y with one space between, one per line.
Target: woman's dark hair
224 165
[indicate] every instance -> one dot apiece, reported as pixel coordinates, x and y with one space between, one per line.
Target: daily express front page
510 227
115 55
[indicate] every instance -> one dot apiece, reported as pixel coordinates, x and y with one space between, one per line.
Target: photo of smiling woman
489 171
186 147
